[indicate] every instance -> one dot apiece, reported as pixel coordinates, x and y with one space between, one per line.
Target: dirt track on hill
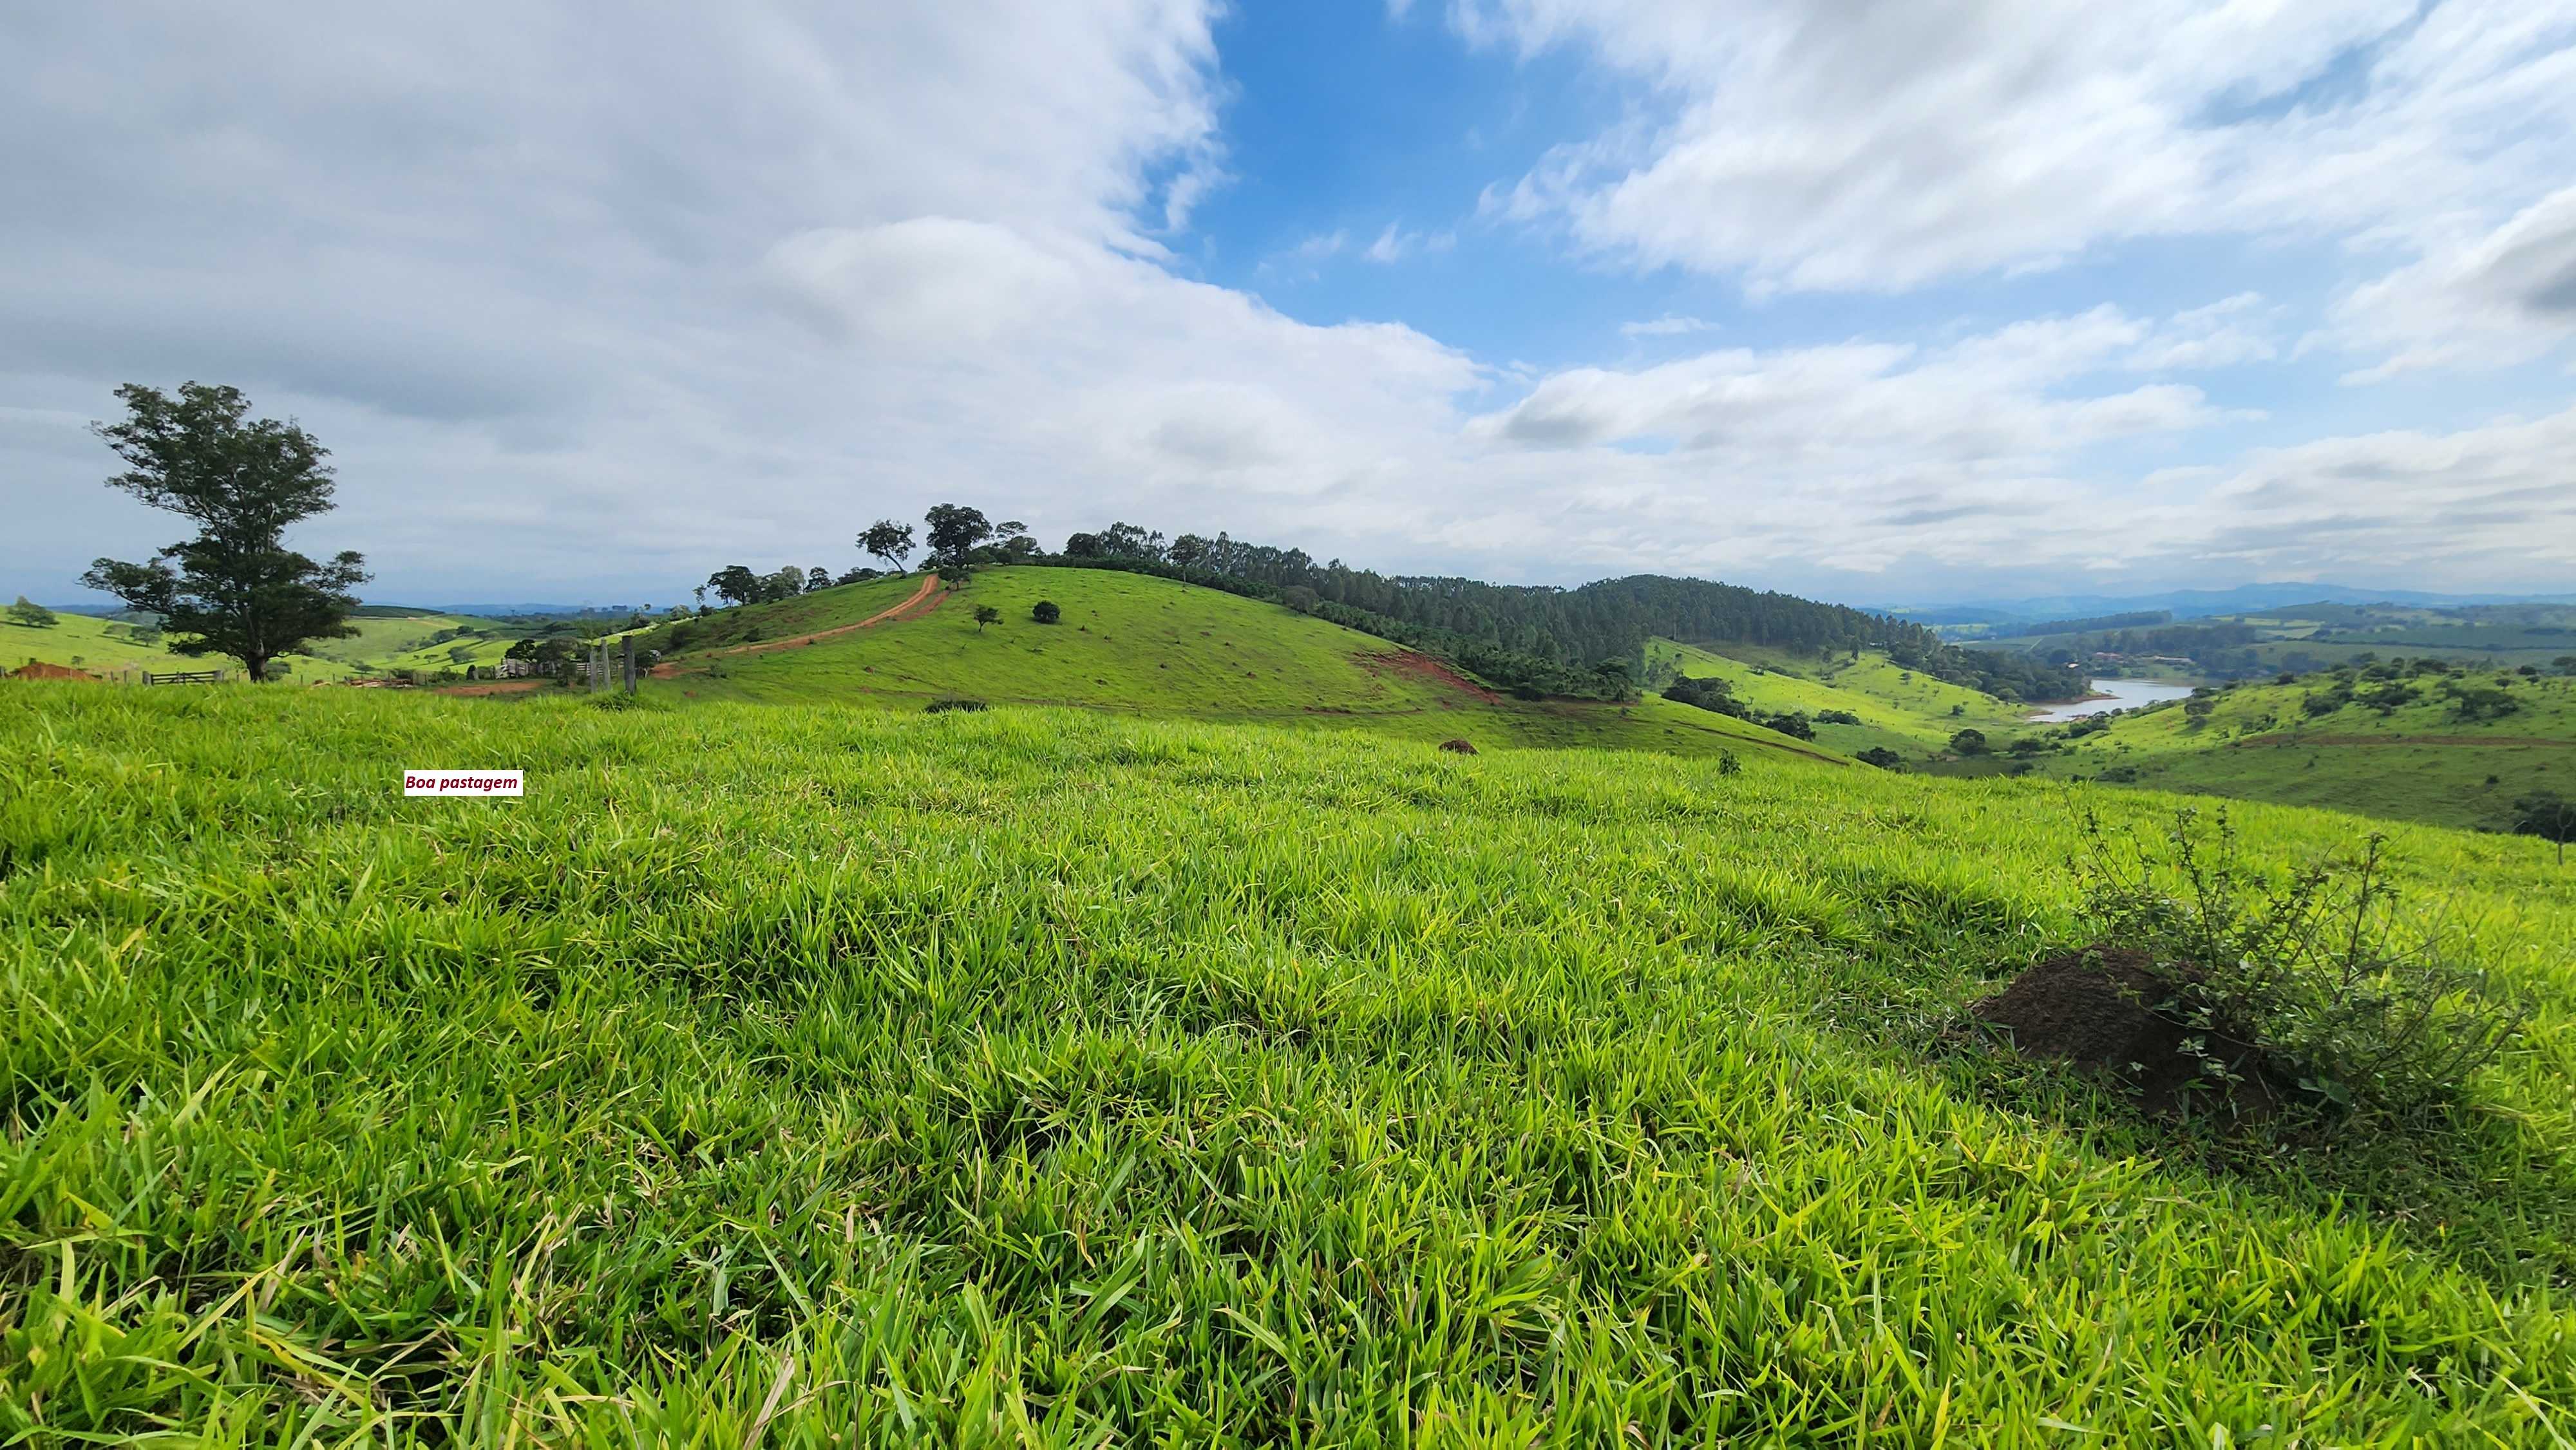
912 607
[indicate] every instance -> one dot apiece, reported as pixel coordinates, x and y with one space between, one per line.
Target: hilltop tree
890 541
735 584
817 579
786 582
235 589
1187 552
955 530
30 614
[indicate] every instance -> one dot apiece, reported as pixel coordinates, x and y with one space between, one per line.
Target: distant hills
2194 603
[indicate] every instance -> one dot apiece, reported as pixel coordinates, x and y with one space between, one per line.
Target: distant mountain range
2194 603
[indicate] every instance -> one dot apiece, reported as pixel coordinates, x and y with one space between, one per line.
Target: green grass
1138 645
392 642
1899 709
2413 763
810 1076
103 647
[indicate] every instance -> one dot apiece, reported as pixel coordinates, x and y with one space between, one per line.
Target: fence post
630 664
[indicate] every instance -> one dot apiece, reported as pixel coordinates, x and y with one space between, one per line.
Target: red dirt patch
38 670
1414 662
1457 747
2107 1011
493 687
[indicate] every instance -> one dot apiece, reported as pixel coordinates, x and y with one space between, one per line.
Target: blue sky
1876 301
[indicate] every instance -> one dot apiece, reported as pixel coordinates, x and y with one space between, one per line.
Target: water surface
2120 695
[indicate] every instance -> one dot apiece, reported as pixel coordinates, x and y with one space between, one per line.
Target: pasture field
2417 761
402 641
1899 709
797 1075
85 642
1140 645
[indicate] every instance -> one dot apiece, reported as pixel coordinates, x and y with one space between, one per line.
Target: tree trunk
257 666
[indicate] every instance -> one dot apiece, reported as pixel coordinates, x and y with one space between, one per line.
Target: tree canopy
234 589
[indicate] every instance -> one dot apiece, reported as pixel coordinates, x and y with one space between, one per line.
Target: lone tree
817 579
955 530
1045 611
2549 816
31 614
236 589
890 541
986 614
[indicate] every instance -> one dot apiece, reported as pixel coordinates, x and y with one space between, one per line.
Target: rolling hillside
103 647
807 1076
1140 644
1899 709
2416 761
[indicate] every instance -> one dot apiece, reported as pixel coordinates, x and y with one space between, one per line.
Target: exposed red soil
1457 747
920 602
38 670
1414 662
2106 1010
2285 741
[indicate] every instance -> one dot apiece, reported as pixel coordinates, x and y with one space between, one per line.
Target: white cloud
2502 297
1882 145
720 287
1667 325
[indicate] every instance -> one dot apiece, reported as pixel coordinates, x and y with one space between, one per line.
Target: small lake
2123 695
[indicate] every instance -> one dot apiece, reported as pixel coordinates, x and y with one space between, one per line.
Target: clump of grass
2361 1014
953 702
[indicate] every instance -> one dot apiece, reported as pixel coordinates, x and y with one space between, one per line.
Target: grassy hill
1901 710
811 1076
391 642
1137 644
105 647
2418 761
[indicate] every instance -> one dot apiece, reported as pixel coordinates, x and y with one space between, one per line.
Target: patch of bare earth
2108 1011
1423 666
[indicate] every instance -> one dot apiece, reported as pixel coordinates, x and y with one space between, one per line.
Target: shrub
2311 969
1727 764
1792 724
1045 612
1969 742
1882 757
1836 717
943 706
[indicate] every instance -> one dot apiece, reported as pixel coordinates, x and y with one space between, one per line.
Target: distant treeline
1539 639
2134 619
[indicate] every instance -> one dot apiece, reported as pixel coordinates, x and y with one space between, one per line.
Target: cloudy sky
1879 300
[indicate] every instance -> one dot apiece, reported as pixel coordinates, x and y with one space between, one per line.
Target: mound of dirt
1457 747
38 670
2107 1011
